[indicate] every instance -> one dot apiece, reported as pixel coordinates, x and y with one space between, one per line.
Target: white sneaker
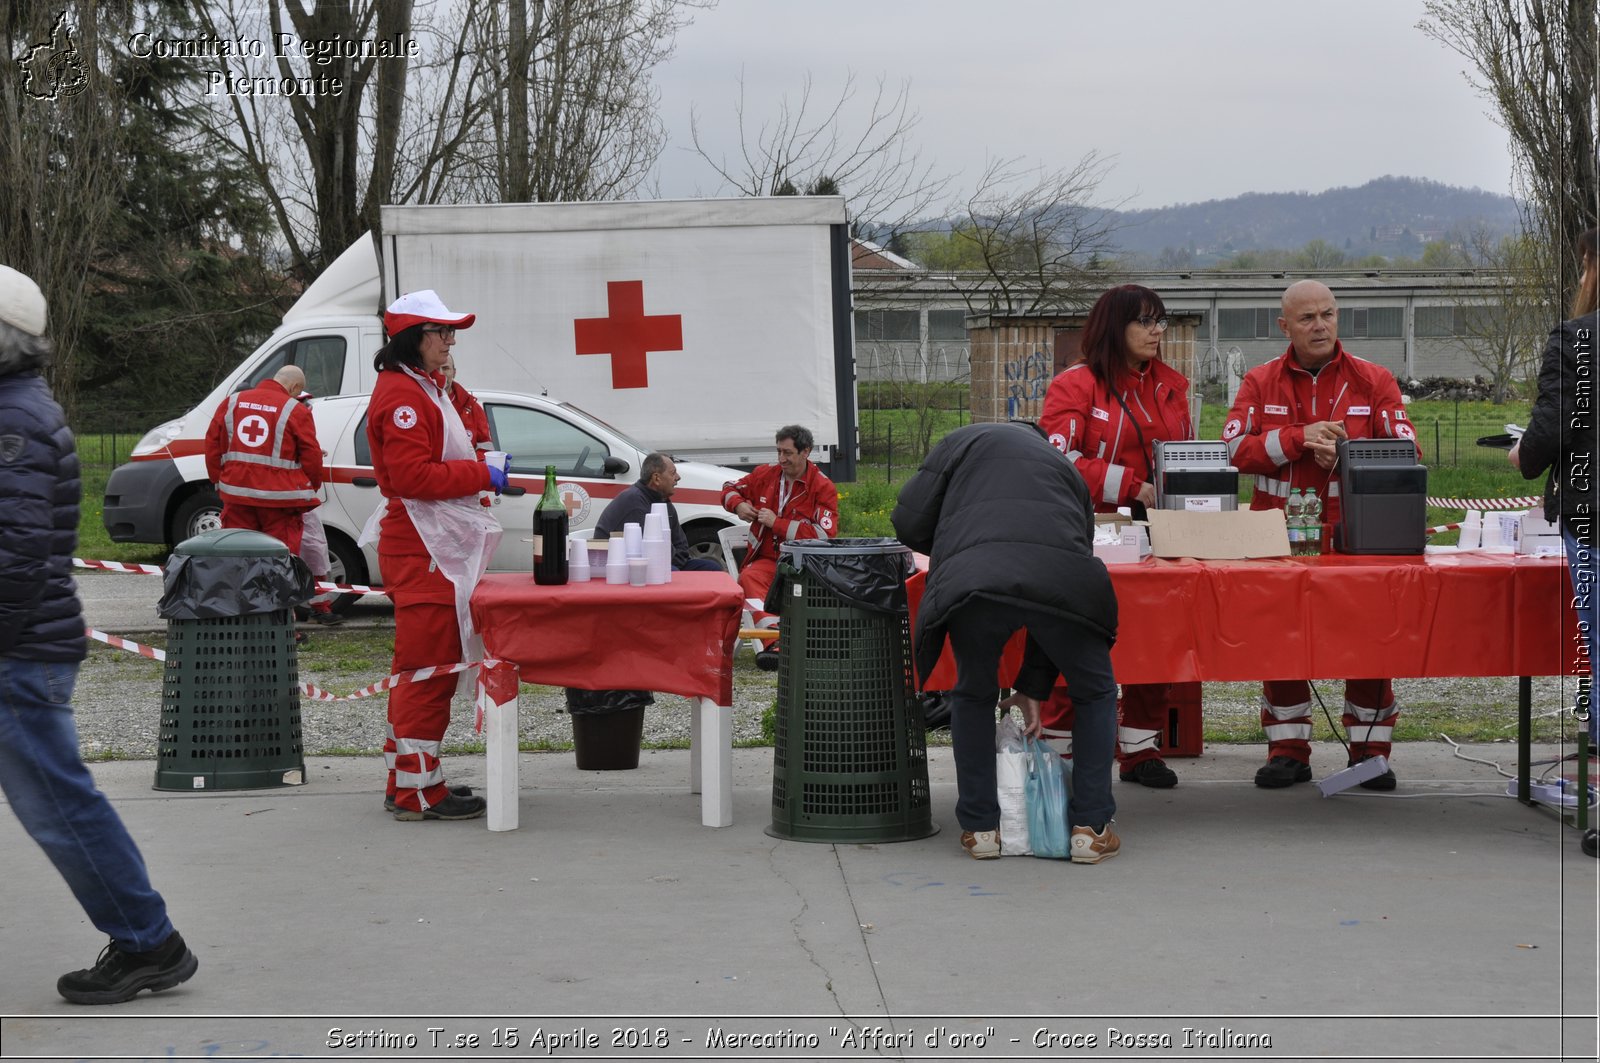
1089 847
981 844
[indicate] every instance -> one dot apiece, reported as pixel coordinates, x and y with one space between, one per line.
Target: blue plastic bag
1048 830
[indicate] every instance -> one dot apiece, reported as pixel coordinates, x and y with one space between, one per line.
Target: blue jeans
1583 560
978 631
54 796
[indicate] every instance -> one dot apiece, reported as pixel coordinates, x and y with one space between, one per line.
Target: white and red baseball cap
424 307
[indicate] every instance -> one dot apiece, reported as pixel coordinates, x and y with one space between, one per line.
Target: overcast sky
1195 100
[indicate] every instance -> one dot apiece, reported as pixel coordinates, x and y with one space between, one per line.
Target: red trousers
1369 716
1142 714
425 633
754 580
282 524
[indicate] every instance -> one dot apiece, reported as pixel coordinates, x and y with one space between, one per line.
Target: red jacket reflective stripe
1265 429
1086 422
406 433
262 450
811 512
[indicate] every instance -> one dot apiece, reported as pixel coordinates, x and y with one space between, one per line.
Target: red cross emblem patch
253 430
405 417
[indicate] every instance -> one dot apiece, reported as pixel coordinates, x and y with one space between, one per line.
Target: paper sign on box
1218 536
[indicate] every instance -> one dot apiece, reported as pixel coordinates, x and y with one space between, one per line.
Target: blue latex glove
498 477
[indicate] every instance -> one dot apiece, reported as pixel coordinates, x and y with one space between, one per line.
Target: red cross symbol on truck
627 334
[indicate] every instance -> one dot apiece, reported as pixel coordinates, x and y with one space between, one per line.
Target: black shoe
1279 772
767 660
1386 781
1153 773
452 807
118 976
326 619
460 791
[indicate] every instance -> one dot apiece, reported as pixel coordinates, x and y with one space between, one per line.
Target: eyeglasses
1156 324
444 332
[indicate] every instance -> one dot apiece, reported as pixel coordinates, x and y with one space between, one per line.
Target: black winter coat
40 618
1561 434
1003 515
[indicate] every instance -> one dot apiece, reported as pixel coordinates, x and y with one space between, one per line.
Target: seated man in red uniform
263 455
785 501
1284 427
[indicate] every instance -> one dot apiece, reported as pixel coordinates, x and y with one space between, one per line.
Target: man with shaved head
1284 427
262 454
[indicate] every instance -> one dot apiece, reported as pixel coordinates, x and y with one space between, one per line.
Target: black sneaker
453 806
1279 772
1386 781
459 791
767 660
326 618
1153 773
118 976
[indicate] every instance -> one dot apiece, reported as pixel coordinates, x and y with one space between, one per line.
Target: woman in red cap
434 542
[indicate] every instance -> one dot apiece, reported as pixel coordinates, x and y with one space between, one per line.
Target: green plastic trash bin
230 697
850 760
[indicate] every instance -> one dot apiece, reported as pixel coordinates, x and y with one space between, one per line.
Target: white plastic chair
734 537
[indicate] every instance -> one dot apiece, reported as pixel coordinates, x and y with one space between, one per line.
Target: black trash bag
867 573
208 587
596 702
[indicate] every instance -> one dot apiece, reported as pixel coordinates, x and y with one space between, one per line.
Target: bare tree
1504 334
1039 235
60 163
828 148
1536 63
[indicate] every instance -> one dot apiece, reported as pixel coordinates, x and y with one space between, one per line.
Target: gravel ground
118 705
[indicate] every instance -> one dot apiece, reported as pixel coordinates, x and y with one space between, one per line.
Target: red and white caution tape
1485 503
157 570
118 566
1441 528
126 644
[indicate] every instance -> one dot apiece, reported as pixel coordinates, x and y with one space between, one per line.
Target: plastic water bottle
1313 523
1294 517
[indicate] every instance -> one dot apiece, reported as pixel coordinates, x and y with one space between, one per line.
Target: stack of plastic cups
617 561
578 561
1471 530
657 552
633 537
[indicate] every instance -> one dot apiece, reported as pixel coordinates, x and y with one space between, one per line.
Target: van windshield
625 437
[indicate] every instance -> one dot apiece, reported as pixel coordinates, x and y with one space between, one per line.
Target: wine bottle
550 534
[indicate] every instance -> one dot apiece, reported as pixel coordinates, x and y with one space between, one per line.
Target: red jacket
1265 430
473 416
811 512
262 450
1085 421
406 432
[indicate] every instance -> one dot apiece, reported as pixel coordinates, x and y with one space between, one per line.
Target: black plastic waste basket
850 760
230 696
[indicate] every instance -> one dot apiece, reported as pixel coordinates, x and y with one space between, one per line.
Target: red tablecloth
675 637
1331 617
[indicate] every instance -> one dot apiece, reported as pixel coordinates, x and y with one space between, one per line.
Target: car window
535 439
363 448
321 358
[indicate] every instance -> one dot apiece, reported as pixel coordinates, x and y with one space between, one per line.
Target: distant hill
1391 216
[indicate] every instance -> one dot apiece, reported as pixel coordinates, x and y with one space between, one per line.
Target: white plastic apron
460 534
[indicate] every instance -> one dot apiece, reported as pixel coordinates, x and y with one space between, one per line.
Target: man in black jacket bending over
1007 523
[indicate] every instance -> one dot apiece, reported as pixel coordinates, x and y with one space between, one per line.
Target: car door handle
364 481
515 492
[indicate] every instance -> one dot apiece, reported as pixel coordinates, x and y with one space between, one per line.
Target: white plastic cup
578 561
633 536
617 561
658 561
498 458
638 571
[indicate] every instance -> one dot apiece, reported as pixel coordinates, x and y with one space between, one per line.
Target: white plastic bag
1011 780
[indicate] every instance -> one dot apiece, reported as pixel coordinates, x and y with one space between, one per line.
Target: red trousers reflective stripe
1141 706
754 580
1375 695
425 633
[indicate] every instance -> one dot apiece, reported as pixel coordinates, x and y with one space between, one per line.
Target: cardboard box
1130 545
1537 536
1218 536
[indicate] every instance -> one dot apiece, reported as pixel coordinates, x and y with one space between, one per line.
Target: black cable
1336 728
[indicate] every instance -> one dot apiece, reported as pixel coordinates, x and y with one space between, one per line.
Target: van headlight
158 437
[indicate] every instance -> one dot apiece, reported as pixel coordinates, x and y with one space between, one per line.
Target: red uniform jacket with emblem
811 512
405 430
262 450
1265 429
1085 421
473 416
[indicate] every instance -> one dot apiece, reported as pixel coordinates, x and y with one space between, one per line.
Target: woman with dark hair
434 542
1106 412
1562 437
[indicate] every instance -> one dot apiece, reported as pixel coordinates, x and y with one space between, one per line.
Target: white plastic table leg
500 748
711 761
